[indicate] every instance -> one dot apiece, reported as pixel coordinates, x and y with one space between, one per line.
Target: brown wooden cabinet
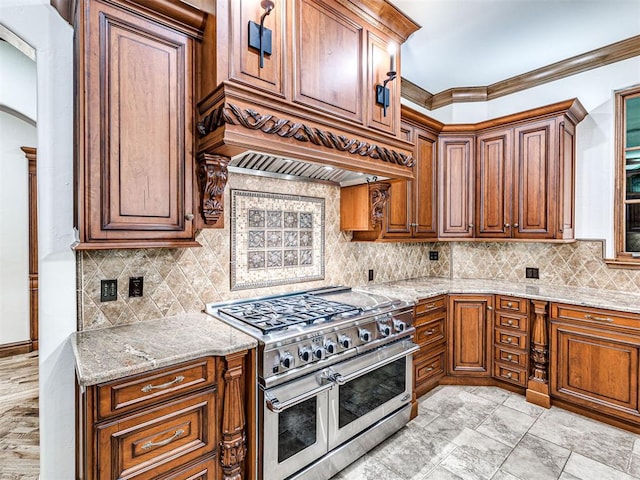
469 320
594 359
456 174
178 422
135 136
511 340
429 364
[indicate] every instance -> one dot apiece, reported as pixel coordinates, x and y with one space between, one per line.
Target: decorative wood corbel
233 444
538 384
212 180
378 195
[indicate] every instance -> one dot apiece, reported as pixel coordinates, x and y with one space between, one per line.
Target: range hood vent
278 167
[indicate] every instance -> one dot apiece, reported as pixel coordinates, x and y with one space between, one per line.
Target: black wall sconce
260 37
382 92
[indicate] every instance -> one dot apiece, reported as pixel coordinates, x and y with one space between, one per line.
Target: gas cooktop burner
283 312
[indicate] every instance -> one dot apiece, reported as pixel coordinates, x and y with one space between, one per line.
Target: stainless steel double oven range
334 376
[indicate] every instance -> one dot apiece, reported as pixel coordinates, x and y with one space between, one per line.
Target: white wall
36 22
595 135
14 227
17 81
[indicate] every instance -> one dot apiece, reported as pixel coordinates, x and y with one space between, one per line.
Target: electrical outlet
136 285
433 255
370 275
108 290
532 272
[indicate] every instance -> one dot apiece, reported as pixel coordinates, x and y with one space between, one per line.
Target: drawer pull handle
177 434
508 375
431 331
600 319
429 369
432 367
509 340
509 304
430 306
510 322
175 381
489 307
510 357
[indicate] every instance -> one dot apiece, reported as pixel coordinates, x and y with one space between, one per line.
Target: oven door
369 388
295 419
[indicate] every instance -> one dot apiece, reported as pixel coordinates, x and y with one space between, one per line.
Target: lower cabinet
429 363
511 340
594 359
170 423
469 319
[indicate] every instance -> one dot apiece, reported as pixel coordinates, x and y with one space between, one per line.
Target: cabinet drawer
509 321
122 396
206 470
430 305
510 374
512 304
596 316
430 332
512 339
428 366
159 440
510 357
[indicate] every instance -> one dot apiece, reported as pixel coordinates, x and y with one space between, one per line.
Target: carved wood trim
540 343
233 444
378 195
228 113
212 180
31 155
599 57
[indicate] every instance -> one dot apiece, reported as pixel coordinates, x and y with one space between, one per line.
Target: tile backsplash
182 280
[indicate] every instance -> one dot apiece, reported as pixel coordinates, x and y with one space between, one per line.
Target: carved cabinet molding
212 180
233 447
538 385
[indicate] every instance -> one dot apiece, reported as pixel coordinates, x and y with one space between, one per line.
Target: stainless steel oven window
368 392
297 428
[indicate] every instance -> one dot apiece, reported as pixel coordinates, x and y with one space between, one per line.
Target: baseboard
17 348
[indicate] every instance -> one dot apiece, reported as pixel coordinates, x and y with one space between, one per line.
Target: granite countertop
109 353
418 288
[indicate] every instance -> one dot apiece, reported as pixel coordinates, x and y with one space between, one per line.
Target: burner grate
280 313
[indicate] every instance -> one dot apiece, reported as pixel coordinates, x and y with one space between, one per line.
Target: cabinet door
566 180
398 216
425 191
536 174
378 65
456 175
595 368
328 59
468 336
494 180
136 155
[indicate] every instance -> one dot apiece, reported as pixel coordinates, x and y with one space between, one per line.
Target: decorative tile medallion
275 239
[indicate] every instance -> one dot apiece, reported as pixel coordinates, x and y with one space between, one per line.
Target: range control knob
385 330
399 325
287 360
345 341
331 347
365 335
305 354
318 352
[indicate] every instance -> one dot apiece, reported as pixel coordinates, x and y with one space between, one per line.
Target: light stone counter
115 352
426 287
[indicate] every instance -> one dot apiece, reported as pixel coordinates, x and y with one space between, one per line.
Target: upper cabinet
503 179
134 130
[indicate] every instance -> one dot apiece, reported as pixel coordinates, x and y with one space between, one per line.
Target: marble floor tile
519 402
585 468
506 425
475 443
567 476
634 466
502 475
412 452
536 459
441 473
495 394
367 468
469 466
604 443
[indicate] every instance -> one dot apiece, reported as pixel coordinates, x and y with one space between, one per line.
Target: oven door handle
276 406
339 379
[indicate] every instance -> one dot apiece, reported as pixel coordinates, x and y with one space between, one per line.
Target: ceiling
469 43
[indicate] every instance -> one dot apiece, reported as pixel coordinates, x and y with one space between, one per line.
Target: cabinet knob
506 225
471 225
510 322
509 357
509 375
509 340
515 225
189 216
489 307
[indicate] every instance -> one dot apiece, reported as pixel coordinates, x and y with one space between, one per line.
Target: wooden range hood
314 99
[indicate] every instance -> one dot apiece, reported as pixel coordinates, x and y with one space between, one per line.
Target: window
627 202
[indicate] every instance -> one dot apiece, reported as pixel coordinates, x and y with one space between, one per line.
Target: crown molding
599 57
